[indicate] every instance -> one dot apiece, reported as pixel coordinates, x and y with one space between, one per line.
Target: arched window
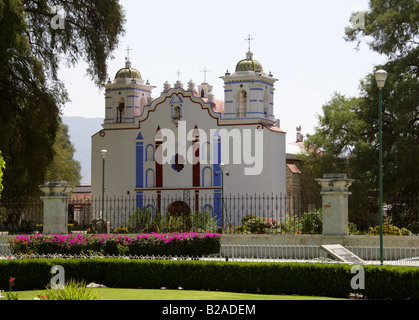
150 156
207 177
202 93
120 110
149 179
176 113
242 104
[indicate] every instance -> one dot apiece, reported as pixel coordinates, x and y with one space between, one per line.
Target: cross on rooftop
128 49
205 73
178 75
250 39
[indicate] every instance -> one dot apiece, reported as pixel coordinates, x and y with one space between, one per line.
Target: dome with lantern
127 74
249 64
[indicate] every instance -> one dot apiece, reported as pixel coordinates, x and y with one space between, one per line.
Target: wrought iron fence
402 212
228 214
20 215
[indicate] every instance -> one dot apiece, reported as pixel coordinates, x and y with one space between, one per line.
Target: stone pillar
56 206
335 203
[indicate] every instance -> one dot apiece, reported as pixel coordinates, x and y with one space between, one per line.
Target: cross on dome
249 39
128 49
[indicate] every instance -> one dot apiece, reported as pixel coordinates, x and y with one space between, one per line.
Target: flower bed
158 244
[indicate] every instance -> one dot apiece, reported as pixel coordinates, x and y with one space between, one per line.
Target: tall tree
392 29
63 166
34 42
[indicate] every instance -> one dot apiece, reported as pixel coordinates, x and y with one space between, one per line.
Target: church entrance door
180 211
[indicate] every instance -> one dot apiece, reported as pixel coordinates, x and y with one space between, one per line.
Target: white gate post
56 206
335 203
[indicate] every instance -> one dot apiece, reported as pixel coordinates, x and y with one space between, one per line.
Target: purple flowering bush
174 244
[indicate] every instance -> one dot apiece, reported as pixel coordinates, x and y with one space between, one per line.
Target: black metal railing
231 214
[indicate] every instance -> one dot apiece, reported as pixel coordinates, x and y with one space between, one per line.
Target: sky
300 42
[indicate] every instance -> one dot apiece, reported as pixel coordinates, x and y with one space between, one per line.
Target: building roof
293 168
128 72
249 64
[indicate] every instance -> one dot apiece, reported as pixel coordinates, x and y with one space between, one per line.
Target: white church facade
186 147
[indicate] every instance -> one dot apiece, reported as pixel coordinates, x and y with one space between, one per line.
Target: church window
150 156
176 113
242 104
150 181
120 110
207 177
202 93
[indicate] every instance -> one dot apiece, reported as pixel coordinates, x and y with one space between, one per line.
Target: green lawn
148 294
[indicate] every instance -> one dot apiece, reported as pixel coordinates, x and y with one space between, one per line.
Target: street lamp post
380 77
222 166
103 153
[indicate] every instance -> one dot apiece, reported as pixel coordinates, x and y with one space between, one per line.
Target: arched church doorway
180 213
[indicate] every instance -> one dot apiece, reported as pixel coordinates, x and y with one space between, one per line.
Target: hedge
331 280
190 244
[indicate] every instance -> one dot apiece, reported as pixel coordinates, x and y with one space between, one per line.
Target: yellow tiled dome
249 64
128 72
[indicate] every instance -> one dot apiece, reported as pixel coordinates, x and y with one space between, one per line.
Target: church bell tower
126 96
249 91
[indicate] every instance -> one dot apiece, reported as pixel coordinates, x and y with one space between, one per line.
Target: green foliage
312 222
63 166
332 280
140 219
346 138
9 295
98 226
73 290
146 221
261 225
352 229
390 26
185 244
389 229
31 94
121 230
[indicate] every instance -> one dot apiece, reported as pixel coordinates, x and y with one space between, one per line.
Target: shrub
174 244
261 225
139 219
98 226
72 290
121 230
312 222
332 280
389 229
